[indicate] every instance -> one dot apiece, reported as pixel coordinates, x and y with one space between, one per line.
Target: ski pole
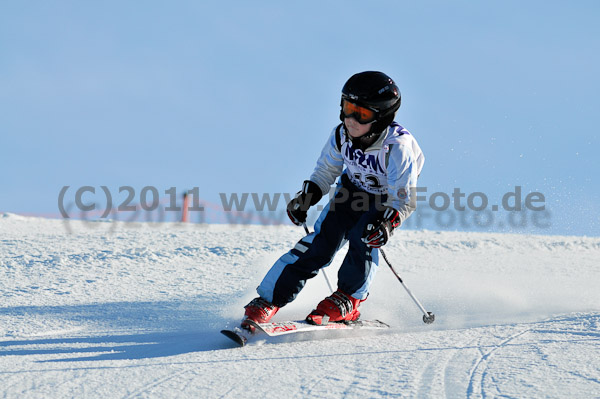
323 270
428 317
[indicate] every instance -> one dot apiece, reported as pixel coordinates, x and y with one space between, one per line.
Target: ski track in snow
105 309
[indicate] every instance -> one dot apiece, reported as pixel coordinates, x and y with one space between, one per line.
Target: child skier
373 197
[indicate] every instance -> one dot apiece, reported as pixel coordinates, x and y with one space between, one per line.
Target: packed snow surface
109 309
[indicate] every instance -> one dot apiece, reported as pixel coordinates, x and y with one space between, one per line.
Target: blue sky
240 97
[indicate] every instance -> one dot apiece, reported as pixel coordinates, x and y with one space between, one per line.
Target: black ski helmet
376 91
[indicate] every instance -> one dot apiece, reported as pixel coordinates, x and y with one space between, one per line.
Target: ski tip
235 337
382 323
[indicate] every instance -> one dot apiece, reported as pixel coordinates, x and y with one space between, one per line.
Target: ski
241 336
289 327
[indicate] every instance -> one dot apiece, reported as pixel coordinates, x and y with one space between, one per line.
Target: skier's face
356 129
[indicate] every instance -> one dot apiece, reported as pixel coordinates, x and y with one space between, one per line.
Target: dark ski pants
343 220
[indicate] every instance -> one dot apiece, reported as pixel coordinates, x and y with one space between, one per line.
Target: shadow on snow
113 331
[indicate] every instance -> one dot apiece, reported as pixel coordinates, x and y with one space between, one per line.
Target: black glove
305 198
378 232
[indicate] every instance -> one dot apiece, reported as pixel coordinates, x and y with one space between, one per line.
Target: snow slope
105 309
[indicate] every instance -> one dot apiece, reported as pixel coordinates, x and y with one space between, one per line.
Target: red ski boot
337 307
258 310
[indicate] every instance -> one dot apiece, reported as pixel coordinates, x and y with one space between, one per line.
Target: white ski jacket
390 166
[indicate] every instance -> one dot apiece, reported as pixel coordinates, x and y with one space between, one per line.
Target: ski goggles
362 114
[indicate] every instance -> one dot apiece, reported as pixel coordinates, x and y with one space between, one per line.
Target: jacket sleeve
329 165
402 167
